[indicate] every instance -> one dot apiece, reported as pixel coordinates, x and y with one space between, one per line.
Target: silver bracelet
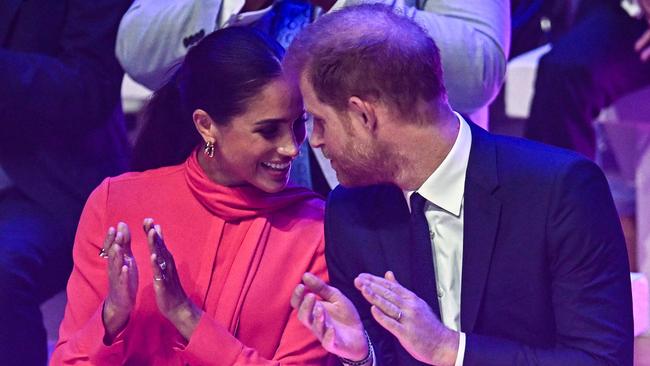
346 361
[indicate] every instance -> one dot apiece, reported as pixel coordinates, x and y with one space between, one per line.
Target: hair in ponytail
168 136
220 75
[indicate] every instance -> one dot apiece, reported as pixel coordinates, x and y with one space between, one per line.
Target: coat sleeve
82 331
155 35
474 41
71 88
590 282
296 347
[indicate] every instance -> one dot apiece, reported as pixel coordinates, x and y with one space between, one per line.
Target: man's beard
363 164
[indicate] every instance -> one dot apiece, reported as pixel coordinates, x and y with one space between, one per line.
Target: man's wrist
368 360
446 351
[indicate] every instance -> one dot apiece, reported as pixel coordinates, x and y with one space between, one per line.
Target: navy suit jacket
61 123
545 277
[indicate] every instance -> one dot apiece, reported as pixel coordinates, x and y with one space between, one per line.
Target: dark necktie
423 272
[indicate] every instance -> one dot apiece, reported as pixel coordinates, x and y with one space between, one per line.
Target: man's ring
399 316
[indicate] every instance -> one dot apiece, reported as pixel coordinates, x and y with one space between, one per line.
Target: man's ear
204 124
363 112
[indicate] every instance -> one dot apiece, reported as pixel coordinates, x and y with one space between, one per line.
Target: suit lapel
481 220
8 10
392 223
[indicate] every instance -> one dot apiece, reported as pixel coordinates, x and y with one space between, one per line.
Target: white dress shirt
444 191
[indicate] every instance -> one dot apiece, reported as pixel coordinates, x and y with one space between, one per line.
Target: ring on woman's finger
162 265
103 253
159 278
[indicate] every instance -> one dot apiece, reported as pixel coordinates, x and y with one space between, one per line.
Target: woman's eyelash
269 131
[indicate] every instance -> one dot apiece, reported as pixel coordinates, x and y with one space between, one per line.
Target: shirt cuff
460 356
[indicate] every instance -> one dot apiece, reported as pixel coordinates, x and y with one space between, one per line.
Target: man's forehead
307 91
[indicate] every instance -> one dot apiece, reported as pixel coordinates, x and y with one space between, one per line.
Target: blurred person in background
61 132
604 55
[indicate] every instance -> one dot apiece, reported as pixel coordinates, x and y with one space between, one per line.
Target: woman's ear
363 113
204 125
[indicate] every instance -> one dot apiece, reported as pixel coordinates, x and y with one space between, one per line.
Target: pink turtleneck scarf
241 202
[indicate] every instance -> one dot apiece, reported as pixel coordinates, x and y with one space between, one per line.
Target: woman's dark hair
220 75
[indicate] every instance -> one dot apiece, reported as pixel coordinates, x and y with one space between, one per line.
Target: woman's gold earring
209 149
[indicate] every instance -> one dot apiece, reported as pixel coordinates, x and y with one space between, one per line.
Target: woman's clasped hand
173 303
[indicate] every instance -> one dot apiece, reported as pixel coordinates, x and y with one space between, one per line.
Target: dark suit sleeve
343 266
589 277
72 85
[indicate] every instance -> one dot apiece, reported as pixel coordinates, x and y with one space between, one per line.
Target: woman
214 289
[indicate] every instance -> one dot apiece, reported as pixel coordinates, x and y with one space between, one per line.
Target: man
452 246
61 132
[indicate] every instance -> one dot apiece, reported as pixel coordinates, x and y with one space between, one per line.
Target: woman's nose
289 148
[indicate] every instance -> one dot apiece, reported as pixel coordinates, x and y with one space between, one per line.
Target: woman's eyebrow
270 121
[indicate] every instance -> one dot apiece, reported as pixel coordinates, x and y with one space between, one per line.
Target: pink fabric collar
241 202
